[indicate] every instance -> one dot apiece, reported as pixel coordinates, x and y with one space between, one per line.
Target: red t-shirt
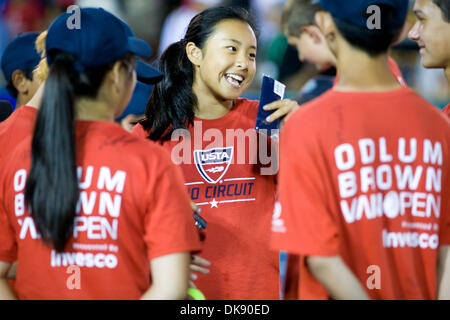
446 110
15 128
236 201
361 180
133 208
13 131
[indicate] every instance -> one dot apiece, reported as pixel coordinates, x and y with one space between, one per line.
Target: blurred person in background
303 34
116 7
136 108
24 16
18 61
299 26
177 21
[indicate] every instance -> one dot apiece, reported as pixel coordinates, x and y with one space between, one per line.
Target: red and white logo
212 164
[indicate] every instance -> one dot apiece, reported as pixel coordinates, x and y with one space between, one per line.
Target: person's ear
326 25
19 80
313 32
115 76
194 53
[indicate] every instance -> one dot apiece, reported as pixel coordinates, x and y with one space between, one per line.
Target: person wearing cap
432 33
109 208
363 198
18 61
146 76
20 123
136 108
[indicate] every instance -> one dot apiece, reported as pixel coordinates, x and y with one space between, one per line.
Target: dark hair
297 14
173 102
372 41
10 85
52 186
444 5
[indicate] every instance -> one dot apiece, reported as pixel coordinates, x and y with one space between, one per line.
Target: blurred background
162 22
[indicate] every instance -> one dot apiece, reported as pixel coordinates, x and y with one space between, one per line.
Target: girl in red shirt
104 223
196 114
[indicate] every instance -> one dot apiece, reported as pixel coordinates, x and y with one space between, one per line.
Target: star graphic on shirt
214 203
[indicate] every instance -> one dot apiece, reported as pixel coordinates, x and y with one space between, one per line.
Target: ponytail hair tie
67 57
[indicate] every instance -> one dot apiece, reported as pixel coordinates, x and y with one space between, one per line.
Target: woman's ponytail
171 104
52 185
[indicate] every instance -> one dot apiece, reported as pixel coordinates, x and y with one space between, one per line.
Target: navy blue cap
145 73
139 100
101 39
355 11
20 54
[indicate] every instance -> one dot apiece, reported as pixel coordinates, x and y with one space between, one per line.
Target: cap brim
139 47
147 74
139 100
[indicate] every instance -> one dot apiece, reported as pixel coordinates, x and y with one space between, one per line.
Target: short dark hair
297 14
444 5
372 41
12 89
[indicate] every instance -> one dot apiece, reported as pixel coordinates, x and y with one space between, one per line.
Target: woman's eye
231 48
252 55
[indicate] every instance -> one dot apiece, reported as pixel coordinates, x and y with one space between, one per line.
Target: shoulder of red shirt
248 108
446 110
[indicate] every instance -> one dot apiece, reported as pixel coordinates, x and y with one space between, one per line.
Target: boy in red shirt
298 19
363 198
432 34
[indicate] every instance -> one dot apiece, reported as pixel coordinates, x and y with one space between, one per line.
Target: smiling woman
206 73
224 67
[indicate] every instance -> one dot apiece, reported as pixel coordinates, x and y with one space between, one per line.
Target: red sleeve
309 225
446 110
139 131
8 244
4 136
169 224
444 230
